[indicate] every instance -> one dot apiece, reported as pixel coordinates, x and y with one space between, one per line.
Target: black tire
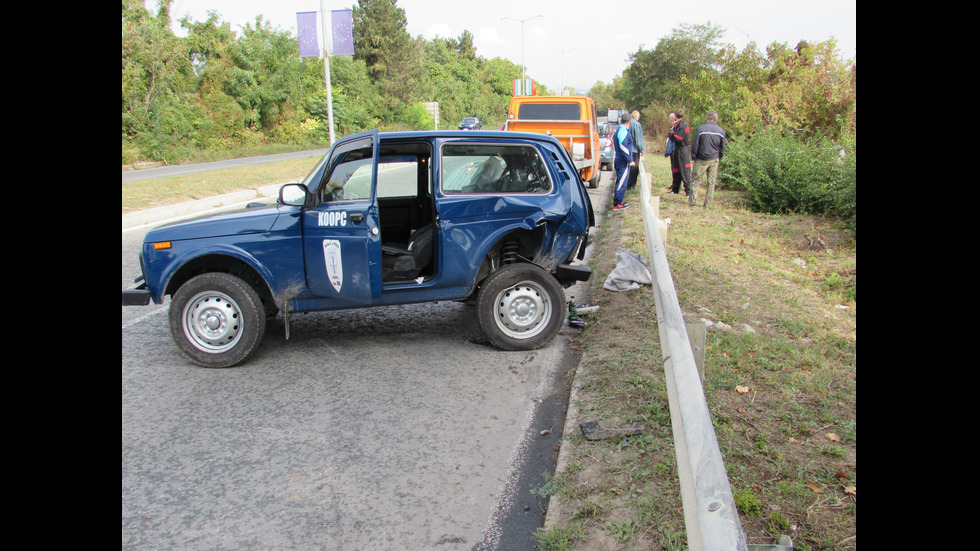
521 307
216 320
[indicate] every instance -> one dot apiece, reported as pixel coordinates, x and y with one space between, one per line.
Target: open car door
341 232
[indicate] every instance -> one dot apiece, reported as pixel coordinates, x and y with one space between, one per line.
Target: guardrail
710 515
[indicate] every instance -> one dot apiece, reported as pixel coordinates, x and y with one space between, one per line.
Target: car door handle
356 217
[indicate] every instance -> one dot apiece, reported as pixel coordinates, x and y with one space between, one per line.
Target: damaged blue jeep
384 218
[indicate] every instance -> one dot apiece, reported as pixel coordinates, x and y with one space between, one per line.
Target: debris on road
575 311
592 430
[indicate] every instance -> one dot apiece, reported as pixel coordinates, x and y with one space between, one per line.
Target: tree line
790 113
215 89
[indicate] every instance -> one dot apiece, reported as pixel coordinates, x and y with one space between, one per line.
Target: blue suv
501 218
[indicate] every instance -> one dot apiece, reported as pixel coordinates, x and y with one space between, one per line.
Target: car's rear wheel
520 307
216 319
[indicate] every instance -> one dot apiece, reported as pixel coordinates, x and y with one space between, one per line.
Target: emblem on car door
334 262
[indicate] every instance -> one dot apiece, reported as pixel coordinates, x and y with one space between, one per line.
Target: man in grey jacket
707 149
636 132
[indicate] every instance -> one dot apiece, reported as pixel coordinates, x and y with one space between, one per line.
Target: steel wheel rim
522 311
212 322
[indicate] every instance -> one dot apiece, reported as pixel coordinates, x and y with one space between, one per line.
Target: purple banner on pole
306 31
342 24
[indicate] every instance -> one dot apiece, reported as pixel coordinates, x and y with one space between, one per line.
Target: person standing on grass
669 148
623 148
707 149
639 147
680 159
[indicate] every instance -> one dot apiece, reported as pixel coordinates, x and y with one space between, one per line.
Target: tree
215 89
265 73
388 51
221 123
156 78
357 101
654 76
809 90
602 94
724 89
465 84
464 45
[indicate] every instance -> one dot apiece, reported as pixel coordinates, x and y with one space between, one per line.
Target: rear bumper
571 273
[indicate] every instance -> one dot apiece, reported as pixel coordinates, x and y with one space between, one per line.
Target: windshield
550 111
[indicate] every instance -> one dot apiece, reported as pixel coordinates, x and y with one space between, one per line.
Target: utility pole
326 63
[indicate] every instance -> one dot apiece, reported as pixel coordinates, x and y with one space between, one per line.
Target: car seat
409 262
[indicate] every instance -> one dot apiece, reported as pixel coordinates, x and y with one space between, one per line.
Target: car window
350 179
398 177
493 169
550 111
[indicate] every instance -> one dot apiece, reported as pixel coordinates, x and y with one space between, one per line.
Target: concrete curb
559 508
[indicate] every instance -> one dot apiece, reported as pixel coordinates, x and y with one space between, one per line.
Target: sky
573 42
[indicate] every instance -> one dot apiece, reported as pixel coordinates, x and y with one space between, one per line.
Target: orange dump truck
569 119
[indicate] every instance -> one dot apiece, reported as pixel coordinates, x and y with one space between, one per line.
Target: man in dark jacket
707 149
680 159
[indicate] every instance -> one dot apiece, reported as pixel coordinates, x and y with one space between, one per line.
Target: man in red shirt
680 159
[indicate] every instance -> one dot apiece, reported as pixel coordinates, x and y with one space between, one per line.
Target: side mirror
294 195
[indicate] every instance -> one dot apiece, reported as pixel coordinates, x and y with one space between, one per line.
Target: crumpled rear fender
472 228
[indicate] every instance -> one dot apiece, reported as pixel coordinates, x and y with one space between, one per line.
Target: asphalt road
383 428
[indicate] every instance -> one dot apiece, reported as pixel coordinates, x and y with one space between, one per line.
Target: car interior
405 196
405 207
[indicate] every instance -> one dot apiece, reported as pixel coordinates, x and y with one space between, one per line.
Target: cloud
489 36
439 29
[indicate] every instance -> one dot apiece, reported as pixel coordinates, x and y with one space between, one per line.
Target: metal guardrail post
710 516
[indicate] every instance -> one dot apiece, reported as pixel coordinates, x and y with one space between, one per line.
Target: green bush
783 173
130 153
414 116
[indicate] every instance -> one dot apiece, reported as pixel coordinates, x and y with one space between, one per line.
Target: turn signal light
161 245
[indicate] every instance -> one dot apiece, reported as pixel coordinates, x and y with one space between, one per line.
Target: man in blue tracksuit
623 147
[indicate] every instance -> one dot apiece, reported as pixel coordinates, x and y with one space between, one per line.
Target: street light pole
523 67
563 67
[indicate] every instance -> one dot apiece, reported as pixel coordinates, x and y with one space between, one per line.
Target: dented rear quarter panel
473 224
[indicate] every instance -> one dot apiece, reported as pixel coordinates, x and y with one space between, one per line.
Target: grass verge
779 293
159 192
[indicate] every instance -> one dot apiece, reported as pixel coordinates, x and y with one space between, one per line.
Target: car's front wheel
521 307
216 319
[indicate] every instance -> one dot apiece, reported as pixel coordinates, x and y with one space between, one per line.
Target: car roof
453 133
457 134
